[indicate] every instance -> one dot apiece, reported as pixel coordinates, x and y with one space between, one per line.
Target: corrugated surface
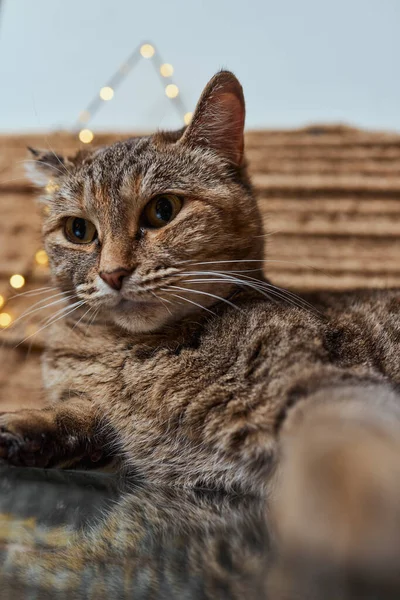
329 196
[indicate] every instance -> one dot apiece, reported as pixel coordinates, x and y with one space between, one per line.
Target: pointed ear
218 121
46 166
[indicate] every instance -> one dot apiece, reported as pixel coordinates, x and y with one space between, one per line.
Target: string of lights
16 282
165 72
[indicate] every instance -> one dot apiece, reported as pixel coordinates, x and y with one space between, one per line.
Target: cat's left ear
218 121
45 166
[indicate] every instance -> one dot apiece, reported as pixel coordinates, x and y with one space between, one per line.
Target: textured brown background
330 198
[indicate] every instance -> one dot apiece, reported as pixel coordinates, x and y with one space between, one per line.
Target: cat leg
336 503
62 435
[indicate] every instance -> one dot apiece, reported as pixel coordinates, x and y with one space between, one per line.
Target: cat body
202 403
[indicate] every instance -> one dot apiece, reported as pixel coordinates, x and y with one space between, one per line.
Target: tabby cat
179 358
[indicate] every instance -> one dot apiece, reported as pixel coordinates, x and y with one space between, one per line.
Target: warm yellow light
172 90
5 319
166 70
51 187
17 281
84 116
106 93
187 118
41 258
147 51
2 301
86 136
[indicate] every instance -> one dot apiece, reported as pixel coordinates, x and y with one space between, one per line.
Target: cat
177 357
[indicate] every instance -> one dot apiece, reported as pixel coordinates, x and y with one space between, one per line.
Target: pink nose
115 278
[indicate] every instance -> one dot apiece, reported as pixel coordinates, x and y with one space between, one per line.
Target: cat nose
115 278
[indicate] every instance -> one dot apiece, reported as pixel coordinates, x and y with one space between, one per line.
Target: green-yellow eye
161 210
79 231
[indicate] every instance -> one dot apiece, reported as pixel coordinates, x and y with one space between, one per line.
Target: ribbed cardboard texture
329 198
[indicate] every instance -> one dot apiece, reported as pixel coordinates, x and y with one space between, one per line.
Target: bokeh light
51 187
86 136
147 51
5 319
17 281
172 90
106 93
166 70
41 258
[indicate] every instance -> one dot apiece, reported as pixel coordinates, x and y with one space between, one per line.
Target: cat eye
161 210
79 231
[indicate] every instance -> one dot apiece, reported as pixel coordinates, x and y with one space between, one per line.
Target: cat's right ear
45 166
218 121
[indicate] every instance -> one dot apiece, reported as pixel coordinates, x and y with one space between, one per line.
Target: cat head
152 229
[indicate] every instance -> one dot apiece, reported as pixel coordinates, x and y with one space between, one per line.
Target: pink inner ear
232 115
218 121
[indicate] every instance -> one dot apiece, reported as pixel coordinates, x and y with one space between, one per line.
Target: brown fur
217 395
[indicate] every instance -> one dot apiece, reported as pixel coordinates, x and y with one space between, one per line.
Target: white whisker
63 166
253 260
62 310
236 281
48 323
269 233
36 292
190 301
27 160
31 311
283 291
162 301
82 317
262 285
13 179
96 312
221 299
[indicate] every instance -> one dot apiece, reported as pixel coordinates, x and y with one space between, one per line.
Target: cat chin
140 322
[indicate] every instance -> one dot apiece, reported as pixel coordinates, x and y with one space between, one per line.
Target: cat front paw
26 439
338 500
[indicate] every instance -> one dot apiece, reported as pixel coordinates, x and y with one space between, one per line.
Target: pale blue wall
299 60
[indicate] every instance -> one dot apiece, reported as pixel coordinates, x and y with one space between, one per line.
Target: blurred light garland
17 281
164 71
